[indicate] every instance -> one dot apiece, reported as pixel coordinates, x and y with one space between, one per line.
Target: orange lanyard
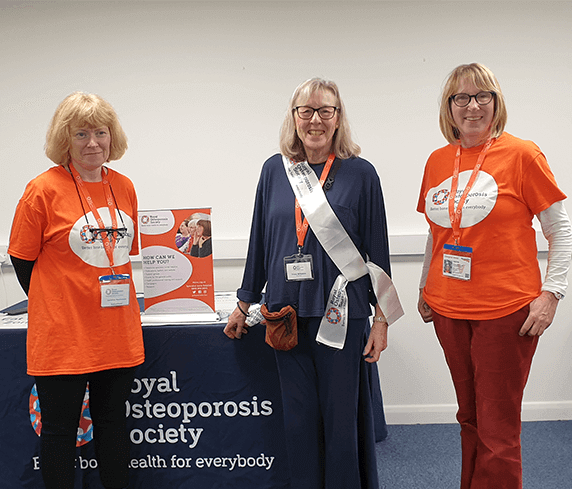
109 244
302 227
456 215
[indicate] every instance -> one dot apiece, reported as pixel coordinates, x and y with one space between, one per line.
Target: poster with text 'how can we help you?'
176 252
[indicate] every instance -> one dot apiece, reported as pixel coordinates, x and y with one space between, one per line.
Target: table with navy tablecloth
204 412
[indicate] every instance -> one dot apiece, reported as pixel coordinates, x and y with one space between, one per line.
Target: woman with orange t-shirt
481 284
74 229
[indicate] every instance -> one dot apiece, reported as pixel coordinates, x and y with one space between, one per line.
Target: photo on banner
176 252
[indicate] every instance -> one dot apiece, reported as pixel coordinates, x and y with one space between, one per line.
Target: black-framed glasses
101 233
306 113
464 99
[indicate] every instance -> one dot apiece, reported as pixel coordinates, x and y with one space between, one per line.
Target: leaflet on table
176 252
9 321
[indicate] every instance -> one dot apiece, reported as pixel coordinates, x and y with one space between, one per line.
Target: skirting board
445 413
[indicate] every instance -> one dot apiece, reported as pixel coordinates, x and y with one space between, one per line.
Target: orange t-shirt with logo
514 184
69 332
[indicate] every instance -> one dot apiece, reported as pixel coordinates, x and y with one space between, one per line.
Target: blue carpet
429 456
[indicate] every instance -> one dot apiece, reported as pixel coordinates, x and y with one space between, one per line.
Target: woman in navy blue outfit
326 397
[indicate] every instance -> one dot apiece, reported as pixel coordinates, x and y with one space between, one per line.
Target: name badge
298 268
457 262
115 290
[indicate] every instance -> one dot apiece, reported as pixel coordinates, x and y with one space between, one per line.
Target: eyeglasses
306 113
81 134
464 99
118 233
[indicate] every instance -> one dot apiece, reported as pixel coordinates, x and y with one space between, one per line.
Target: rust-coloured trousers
489 364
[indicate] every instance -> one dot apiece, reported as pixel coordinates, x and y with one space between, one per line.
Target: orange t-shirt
514 184
68 330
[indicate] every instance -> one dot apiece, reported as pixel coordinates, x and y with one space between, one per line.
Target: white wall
201 89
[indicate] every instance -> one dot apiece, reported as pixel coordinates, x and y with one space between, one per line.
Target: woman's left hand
377 342
542 310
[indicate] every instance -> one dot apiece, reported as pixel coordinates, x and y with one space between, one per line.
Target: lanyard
302 227
456 215
337 244
109 244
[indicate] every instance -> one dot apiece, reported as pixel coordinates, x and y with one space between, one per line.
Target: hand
541 314
424 309
236 325
377 342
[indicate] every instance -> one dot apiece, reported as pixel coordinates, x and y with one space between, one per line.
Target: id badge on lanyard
114 290
300 267
457 260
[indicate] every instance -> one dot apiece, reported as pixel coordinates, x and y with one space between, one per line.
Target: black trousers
61 398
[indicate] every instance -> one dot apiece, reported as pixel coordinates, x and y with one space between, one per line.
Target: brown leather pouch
281 328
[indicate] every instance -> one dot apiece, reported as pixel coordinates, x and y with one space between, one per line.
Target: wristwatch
558 295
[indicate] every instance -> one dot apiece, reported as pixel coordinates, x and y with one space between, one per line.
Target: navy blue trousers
328 416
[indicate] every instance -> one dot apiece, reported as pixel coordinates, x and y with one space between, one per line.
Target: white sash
341 249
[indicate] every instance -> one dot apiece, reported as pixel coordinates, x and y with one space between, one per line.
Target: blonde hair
82 109
483 79
290 144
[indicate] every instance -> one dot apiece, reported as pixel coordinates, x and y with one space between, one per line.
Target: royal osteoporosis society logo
479 203
85 428
333 315
85 234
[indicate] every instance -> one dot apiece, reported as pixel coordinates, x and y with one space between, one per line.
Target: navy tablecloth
204 413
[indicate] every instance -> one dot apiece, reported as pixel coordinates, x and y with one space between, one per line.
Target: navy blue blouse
357 200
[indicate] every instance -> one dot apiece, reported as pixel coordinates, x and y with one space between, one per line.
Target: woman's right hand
236 324
424 309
